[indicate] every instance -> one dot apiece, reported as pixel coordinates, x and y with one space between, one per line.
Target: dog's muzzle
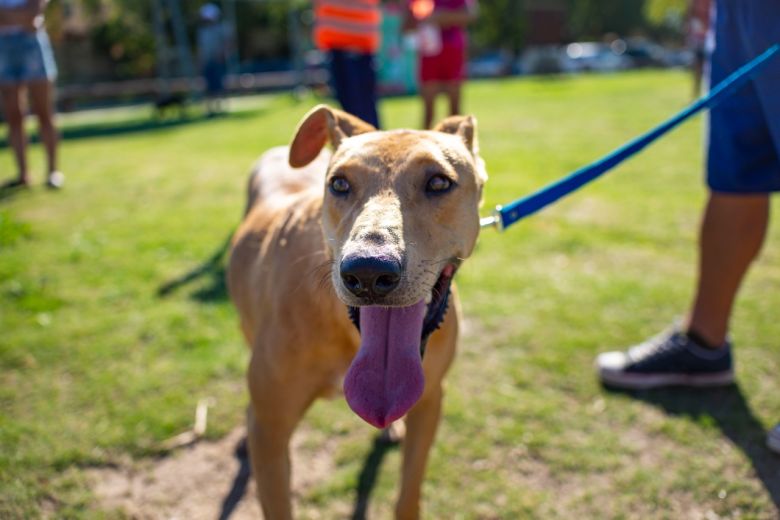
437 308
386 378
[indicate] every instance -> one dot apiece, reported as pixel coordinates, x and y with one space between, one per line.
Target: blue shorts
25 57
743 148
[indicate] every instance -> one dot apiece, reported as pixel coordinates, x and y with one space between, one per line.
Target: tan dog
398 214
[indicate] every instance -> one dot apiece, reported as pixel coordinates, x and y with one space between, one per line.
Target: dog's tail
252 189
269 164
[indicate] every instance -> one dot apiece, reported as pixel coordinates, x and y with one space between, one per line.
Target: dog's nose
370 276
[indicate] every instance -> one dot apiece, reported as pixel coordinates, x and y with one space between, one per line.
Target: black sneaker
671 358
773 439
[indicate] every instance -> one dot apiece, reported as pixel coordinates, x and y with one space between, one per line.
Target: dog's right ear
320 125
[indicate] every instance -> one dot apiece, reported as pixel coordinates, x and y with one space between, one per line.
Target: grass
97 366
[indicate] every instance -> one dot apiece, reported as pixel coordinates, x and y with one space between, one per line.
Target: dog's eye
339 185
438 184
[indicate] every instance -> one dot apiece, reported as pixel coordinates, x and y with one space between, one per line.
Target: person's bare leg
14 115
730 238
42 104
697 72
428 93
453 95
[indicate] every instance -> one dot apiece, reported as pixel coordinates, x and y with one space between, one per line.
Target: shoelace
655 348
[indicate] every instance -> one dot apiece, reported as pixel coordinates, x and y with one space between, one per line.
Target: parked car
541 59
642 53
678 58
594 56
489 65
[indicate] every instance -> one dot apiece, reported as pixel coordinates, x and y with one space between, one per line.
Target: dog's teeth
428 298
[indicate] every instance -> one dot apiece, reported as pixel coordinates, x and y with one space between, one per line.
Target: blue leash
505 216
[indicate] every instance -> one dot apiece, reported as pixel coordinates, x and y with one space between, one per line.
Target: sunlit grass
96 365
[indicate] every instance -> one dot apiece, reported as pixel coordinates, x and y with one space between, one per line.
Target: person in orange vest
348 30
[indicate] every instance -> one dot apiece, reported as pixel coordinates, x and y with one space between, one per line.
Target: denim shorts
743 149
25 57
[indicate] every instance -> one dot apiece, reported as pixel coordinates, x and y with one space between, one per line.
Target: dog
341 271
166 103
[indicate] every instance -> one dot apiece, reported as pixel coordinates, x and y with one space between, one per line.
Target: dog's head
400 213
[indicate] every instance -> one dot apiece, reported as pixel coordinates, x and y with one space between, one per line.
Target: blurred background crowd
111 51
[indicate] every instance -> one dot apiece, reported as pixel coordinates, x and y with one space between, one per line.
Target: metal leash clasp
494 220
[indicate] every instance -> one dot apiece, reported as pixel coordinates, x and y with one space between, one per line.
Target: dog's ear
463 126
320 125
466 128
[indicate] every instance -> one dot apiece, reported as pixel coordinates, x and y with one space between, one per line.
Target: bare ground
211 479
207 480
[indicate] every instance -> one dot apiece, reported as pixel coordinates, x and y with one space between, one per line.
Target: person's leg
360 90
214 76
452 89
452 63
697 71
12 99
428 91
731 236
430 86
208 95
339 79
42 104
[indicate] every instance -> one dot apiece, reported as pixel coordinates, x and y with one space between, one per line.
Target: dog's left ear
466 128
463 126
320 125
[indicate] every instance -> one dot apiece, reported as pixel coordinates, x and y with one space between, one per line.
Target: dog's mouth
386 378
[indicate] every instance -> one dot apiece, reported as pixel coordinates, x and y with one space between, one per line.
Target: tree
667 16
501 25
591 19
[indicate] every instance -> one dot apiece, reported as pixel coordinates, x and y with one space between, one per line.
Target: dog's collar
433 319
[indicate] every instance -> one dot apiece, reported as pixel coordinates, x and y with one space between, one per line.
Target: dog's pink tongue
386 376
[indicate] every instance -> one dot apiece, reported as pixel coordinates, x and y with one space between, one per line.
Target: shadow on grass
212 268
368 475
152 123
731 413
366 480
10 190
240 481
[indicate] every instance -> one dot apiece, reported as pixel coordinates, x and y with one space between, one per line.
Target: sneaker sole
635 381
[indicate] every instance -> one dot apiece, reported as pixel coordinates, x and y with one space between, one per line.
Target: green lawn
96 366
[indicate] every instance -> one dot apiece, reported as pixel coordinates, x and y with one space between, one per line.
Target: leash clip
494 220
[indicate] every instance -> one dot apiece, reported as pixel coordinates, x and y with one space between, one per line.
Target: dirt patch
205 481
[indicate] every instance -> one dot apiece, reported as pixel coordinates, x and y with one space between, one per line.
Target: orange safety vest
347 24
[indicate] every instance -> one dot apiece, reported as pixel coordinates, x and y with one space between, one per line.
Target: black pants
354 80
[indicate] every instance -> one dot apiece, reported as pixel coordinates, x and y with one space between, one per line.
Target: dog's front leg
422 421
271 420
421 424
270 457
